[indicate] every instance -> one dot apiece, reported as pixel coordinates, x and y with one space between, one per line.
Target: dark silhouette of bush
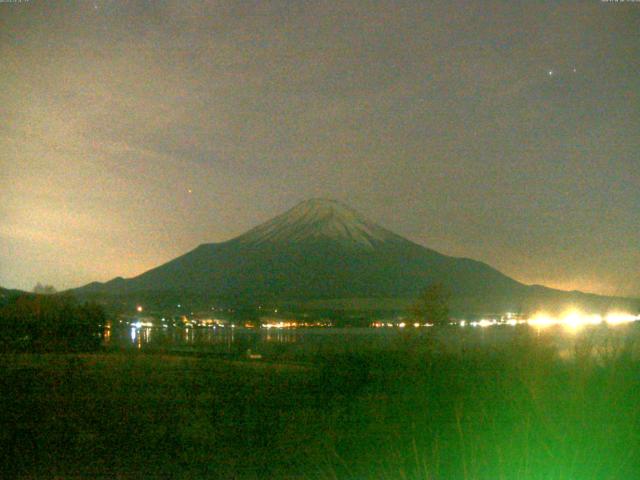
42 323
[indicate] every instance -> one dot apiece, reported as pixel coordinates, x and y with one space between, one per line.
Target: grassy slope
514 412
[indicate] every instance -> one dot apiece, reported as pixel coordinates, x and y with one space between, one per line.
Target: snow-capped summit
319 219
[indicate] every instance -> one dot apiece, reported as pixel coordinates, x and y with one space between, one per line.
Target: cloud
437 120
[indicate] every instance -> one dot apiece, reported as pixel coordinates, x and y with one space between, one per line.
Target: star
550 73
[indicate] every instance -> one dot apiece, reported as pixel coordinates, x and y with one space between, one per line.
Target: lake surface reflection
601 339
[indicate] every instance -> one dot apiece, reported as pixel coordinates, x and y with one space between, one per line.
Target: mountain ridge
323 250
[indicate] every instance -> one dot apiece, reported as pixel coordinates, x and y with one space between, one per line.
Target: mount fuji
323 253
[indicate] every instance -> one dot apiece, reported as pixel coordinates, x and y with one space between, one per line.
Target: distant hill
323 254
6 295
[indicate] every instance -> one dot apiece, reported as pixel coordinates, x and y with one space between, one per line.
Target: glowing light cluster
295 324
140 324
574 319
484 323
488 322
618 318
380 324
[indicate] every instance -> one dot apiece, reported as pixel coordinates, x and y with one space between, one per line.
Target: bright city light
617 318
574 319
541 320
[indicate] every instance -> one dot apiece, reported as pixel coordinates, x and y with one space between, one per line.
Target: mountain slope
324 250
8 295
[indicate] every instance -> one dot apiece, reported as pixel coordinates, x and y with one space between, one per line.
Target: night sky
508 132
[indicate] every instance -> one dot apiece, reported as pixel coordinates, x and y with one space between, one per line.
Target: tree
432 305
50 323
44 289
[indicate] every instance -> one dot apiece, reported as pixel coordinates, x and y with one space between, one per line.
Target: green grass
409 411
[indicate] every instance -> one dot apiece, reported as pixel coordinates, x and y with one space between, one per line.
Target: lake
303 342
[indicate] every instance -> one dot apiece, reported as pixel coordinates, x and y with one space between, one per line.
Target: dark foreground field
514 412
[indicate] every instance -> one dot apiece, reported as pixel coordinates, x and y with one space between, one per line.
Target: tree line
45 323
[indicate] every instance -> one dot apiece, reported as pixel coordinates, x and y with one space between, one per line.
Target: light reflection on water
601 339
225 338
